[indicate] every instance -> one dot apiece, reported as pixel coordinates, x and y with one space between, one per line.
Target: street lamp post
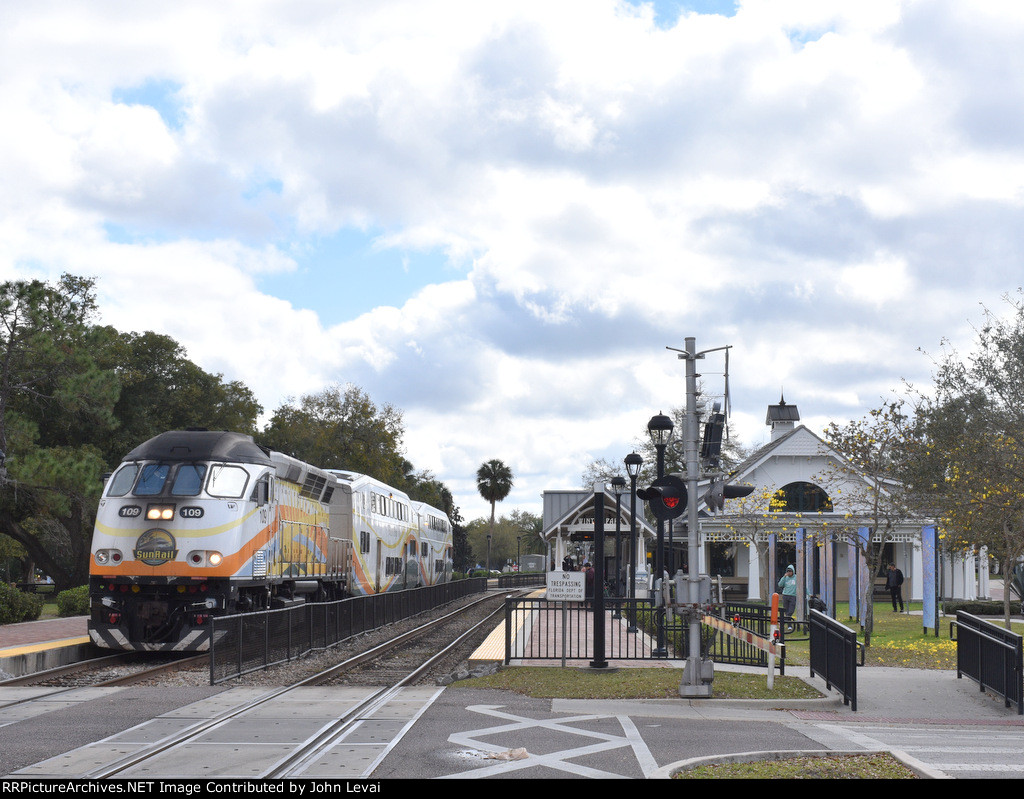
633 463
660 431
618 486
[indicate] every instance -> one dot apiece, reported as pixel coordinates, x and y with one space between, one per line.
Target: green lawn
898 639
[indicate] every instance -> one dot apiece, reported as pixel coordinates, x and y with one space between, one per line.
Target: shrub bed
980 607
73 602
16 606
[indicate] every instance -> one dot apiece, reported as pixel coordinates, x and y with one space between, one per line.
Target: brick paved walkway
540 641
38 632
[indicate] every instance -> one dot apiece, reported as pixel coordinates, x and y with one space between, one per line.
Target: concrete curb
921 769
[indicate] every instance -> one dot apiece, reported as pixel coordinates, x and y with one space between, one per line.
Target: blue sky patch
159 94
667 12
345 275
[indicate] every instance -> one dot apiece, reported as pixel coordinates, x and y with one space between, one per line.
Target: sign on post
566 586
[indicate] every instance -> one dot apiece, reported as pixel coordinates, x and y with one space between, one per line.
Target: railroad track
430 653
121 669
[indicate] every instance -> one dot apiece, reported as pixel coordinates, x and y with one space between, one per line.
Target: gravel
453 667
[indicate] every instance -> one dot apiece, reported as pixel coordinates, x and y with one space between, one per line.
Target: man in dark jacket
894 582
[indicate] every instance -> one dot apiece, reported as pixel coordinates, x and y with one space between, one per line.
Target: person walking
894 582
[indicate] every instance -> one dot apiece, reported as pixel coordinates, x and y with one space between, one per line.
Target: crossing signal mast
698 672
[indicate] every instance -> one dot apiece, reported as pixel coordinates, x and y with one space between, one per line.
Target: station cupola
782 418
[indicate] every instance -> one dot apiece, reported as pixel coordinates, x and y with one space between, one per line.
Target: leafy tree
160 390
970 441
47 364
875 450
750 519
514 534
341 428
56 399
494 481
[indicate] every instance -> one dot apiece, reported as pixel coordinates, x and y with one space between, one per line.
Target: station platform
33 646
538 636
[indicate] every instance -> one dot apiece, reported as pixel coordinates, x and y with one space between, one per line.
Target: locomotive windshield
179 480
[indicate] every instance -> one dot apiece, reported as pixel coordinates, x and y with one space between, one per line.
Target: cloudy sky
498 217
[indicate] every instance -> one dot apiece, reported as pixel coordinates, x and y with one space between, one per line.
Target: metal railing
248 642
833 650
991 656
521 579
542 629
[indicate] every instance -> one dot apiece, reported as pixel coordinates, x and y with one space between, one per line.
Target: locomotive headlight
203 557
160 513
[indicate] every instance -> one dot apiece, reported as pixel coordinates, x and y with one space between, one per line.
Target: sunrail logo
155 547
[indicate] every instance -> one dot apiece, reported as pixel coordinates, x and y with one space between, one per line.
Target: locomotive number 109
197 523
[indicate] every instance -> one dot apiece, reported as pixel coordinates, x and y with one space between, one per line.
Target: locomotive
198 523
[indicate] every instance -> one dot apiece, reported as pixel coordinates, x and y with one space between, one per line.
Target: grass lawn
898 639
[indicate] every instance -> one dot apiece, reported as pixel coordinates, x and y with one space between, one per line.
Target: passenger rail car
195 524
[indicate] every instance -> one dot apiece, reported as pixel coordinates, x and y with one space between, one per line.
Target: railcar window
151 481
227 481
121 483
188 482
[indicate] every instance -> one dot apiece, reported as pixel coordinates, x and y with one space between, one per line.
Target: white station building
806 521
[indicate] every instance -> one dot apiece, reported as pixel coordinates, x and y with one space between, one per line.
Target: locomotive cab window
151 481
122 482
227 481
188 480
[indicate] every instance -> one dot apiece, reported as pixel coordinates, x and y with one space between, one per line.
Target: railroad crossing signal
719 492
666 497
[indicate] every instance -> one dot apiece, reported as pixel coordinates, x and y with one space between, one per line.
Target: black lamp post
633 464
660 431
618 486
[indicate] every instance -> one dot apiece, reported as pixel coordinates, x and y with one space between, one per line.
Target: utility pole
698 672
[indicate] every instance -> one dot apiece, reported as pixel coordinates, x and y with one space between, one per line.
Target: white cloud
823 185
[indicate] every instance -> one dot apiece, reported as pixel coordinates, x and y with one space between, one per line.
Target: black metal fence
541 629
991 656
833 649
521 579
248 642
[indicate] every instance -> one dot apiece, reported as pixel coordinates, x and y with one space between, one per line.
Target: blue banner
929 583
828 577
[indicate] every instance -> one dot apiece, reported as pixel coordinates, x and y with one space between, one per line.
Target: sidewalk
38 632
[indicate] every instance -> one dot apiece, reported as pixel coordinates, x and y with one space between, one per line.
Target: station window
801 497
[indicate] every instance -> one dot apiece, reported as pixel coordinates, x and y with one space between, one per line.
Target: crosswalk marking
559 760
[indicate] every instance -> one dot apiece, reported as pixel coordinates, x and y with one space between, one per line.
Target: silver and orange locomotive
197 523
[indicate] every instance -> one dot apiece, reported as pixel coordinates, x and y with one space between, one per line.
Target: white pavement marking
631 739
925 744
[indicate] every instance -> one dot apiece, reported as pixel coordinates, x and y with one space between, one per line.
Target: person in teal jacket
787 585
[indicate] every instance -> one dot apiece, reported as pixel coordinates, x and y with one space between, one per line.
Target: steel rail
184 736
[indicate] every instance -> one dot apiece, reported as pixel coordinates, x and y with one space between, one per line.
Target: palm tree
494 482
